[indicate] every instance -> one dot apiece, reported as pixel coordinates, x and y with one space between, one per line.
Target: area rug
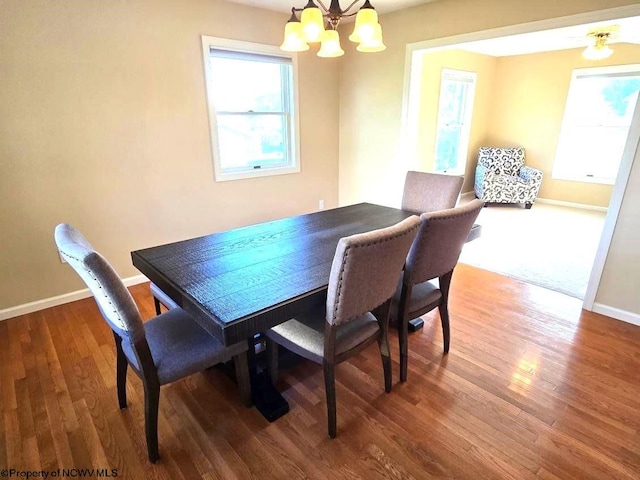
548 245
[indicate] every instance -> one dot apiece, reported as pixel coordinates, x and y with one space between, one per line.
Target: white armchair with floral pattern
502 177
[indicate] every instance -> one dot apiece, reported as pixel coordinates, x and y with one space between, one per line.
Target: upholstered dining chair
434 254
364 274
160 351
428 192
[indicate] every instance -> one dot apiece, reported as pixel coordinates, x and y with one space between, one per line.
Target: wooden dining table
241 282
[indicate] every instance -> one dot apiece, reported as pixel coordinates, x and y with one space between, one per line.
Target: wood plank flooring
533 388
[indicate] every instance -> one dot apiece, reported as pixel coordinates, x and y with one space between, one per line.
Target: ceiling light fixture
310 28
599 50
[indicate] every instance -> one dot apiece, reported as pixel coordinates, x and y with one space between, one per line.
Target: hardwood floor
533 388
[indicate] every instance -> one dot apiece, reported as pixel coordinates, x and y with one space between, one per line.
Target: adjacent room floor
548 245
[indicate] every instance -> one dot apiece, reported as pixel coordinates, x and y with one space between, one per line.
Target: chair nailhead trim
90 272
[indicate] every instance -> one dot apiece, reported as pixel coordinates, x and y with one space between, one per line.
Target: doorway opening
497 119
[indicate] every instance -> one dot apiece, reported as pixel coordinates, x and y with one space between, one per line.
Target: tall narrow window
600 106
455 109
252 109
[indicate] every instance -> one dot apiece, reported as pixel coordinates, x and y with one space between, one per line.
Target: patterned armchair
502 177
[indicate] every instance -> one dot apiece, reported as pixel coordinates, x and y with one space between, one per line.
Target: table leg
414 325
269 402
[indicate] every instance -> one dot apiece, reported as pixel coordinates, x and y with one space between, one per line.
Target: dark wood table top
241 282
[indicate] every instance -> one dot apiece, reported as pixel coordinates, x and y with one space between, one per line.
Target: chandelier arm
324 7
349 8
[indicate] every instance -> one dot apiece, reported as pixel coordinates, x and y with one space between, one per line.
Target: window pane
604 100
447 149
593 151
594 132
452 101
244 85
454 118
251 140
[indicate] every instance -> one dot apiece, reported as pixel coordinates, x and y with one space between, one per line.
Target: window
597 117
455 109
251 91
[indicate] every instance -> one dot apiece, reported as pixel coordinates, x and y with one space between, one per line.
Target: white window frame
560 172
465 132
292 117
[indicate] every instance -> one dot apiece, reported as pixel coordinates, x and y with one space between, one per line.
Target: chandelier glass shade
320 25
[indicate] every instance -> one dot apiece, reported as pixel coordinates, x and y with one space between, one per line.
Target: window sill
261 172
596 180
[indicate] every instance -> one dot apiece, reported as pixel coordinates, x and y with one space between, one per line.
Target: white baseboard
561 203
616 313
59 300
468 196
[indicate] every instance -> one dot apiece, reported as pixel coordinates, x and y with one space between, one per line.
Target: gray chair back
439 242
366 268
113 298
428 192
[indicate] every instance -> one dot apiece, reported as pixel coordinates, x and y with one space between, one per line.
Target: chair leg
242 376
403 332
151 403
445 283
385 353
121 372
403 338
330 388
272 358
156 302
444 319
386 366
528 205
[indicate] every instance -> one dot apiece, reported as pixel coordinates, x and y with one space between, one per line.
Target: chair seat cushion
509 189
423 296
180 347
508 179
304 334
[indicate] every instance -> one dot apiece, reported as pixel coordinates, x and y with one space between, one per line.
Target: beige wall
529 108
432 64
621 275
372 164
104 125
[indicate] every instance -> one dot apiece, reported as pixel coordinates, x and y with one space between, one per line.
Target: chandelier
599 50
317 25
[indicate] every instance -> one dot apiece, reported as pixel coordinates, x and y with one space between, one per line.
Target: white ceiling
382 6
556 39
544 41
